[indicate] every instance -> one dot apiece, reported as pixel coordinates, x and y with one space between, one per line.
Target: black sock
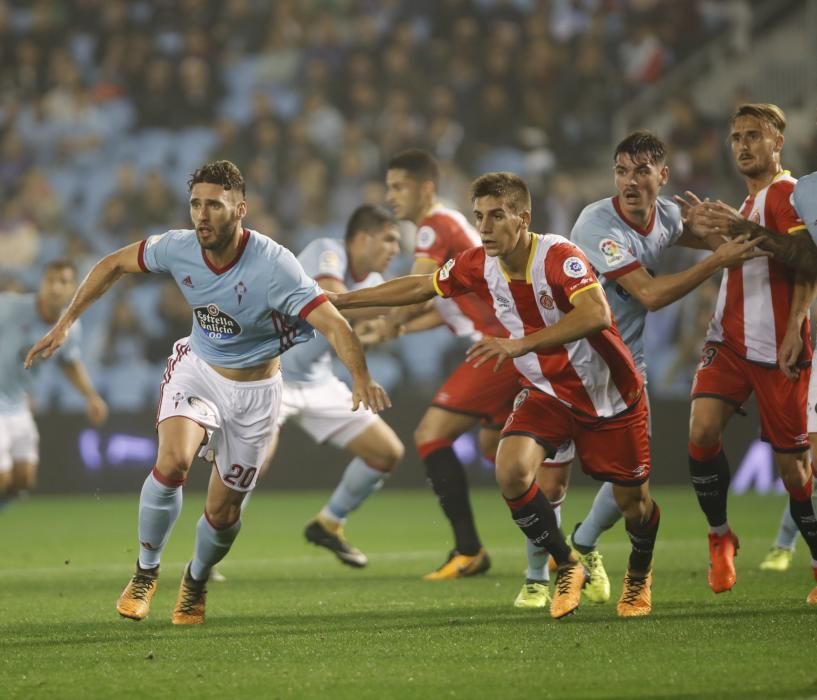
710 479
535 516
447 477
802 510
642 538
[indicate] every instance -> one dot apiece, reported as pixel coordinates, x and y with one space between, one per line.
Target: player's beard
222 236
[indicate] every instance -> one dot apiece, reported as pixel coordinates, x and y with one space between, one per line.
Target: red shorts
481 392
613 449
725 375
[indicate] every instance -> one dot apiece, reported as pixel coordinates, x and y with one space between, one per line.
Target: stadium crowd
106 106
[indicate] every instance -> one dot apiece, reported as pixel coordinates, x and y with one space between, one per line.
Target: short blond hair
766 112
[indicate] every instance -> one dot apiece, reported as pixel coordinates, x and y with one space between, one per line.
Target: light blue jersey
22 327
245 313
616 247
322 258
805 201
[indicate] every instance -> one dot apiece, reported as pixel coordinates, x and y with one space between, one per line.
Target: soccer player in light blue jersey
251 302
24 318
318 401
623 237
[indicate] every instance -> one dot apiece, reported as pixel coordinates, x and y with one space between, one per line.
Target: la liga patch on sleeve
574 267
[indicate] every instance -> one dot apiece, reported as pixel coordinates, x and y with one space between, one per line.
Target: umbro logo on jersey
503 302
187 282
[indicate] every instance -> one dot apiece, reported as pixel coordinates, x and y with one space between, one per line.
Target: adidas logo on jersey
187 282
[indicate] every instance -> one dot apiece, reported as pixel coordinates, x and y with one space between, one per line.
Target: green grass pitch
291 622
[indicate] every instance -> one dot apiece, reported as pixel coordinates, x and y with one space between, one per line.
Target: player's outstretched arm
655 293
590 315
97 409
326 319
401 291
97 282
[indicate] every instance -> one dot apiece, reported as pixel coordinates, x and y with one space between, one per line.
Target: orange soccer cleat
570 580
722 552
135 599
191 601
636 596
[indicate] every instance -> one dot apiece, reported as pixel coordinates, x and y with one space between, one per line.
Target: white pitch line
318 558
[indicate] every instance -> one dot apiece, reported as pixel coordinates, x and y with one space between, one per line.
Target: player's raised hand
740 249
502 349
371 395
690 204
47 345
721 219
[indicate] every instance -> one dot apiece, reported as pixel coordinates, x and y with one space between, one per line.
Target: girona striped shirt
595 375
754 300
441 235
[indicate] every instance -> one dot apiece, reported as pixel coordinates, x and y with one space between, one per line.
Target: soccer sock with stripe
160 503
802 512
604 513
447 477
534 515
211 547
358 482
642 538
538 557
710 475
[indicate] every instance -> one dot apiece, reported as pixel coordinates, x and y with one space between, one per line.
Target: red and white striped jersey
440 236
595 375
754 300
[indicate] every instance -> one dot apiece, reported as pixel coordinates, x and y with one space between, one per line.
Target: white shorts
324 410
19 439
811 415
236 415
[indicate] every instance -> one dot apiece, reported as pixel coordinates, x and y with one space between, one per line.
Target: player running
624 238
251 301
24 318
581 384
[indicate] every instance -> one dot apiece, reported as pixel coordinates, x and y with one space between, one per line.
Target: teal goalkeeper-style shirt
249 311
23 326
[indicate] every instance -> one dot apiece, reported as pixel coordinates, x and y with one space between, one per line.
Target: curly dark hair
643 144
219 172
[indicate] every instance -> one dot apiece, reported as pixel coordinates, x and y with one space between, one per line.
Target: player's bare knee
795 470
704 433
513 477
172 465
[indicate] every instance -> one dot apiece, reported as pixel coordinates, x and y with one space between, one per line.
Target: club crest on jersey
215 323
240 291
574 267
611 251
445 270
546 300
521 397
425 237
